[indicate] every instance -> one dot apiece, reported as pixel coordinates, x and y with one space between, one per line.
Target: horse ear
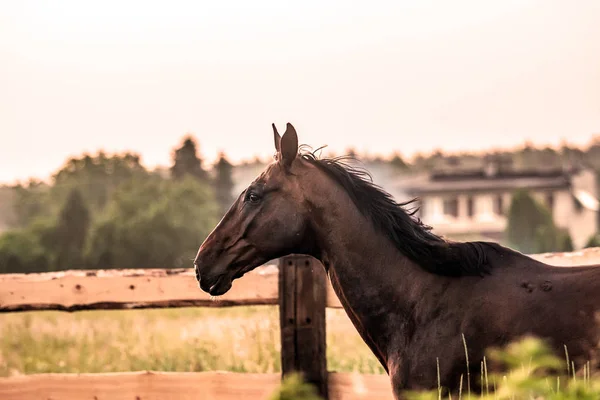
276 138
289 145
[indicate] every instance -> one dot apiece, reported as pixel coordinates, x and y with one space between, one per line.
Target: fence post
302 302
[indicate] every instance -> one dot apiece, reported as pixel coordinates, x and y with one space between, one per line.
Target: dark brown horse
410 294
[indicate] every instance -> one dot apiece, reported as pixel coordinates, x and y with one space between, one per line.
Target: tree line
108 211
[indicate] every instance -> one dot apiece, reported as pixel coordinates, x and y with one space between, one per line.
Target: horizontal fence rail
180 386
75 290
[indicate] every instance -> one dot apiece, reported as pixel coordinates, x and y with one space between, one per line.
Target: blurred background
129 128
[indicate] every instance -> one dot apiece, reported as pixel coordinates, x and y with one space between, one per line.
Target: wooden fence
298 285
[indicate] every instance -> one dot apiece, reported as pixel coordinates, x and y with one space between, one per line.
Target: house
466 204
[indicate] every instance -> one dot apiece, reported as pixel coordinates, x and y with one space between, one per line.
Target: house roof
482 180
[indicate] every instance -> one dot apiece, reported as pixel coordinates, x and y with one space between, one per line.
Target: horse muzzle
215 285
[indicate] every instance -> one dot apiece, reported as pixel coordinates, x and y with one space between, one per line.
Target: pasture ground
240 339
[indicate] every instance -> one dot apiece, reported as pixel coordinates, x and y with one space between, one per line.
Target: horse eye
253 197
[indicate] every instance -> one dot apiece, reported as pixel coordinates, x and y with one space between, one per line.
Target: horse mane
410 236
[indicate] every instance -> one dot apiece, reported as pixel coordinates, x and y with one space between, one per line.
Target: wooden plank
163 288
140 386
352 386
311 291
302 283
127 289
179 385
287 313
589 256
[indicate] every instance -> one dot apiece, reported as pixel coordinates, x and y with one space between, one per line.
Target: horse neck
377 285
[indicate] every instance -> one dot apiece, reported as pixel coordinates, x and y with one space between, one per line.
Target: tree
31 201
8 217
398 162
594 241
54 218
422 162
548 157
571 156
96 177
224 183
531 228
71 232
525 216
21 252
593 154
28 249
186 161
419 161
155 223
549 238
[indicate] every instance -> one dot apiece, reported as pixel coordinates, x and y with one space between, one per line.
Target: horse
424 305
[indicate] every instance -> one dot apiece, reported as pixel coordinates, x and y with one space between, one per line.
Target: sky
378 76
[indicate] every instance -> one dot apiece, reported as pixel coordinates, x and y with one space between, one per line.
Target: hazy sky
379 76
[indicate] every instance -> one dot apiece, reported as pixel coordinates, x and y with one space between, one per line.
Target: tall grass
529 363
246 339
533 373
240 339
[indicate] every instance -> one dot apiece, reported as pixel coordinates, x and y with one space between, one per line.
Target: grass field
242 339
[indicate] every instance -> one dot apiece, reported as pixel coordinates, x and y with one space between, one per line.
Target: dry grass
243 339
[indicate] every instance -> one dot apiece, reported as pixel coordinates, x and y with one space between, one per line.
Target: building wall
581 223
484 219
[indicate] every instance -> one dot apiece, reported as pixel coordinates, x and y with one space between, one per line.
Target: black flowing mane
413 238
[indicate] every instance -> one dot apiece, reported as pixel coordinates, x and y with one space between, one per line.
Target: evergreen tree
531 228
71 232
398 162
549 238
224 183
524 220
187 161
564 241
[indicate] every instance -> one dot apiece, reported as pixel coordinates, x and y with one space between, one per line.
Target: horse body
415 298
525 298
411 318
